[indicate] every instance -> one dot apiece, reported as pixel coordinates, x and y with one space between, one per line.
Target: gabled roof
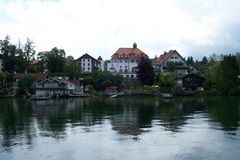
86 55
57 80
193 75
166 55
129 53
99 58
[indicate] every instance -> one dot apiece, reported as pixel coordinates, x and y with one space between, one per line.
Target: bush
178 90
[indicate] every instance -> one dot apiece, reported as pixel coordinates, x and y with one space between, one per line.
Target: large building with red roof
125 61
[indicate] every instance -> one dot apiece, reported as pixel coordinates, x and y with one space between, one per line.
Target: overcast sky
99 27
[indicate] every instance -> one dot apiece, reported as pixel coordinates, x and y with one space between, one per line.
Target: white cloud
100 27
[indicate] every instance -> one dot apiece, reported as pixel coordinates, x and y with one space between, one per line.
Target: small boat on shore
166 95
79 95
113 96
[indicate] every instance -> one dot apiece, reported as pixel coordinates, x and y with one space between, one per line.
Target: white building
125 61
55 87
181 67
88 63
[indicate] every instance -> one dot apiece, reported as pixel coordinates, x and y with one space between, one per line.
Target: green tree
228 79
54 60
165 80
28 50
26 84
72 69
13 60
101 80
145 72
204 60
190 60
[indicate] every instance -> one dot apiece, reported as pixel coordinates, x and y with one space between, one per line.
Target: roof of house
57 80
38 76
166 55
129 53
193 75
86 55
99 58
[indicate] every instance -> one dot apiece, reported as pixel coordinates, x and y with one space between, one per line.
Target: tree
190 60
145 72
228 79
204 60
12 56
165 80
26 84
72 69
28 50
54 60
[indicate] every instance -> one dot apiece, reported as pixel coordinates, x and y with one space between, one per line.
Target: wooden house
193 82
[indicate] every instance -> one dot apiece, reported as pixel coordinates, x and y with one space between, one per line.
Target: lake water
120 129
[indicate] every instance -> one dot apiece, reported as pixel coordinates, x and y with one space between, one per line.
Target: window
120 66
125 66
89 68
172 57
88 60
125 61
132 76
120 61
132 61
127 76
83 68
88 64
83 64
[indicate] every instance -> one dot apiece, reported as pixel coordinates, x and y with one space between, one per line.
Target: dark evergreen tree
204 60
228 81
190 60
145 73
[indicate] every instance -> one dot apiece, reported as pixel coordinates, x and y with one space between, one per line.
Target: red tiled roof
38 76
129 53
165 56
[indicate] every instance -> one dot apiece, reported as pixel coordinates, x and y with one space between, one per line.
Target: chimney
134 45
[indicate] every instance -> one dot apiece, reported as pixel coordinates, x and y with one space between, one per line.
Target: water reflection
22 121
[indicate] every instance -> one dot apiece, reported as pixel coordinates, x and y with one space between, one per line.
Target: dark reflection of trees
136 114
19 118
225 110
15 121
173 114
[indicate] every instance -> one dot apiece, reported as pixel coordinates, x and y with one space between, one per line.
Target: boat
79 95
167 95
113 96
34 97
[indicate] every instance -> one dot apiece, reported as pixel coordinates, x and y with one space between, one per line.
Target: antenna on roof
134 45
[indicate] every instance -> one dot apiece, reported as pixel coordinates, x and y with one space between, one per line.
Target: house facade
125 61
88 63
55 87
193 82
172 60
